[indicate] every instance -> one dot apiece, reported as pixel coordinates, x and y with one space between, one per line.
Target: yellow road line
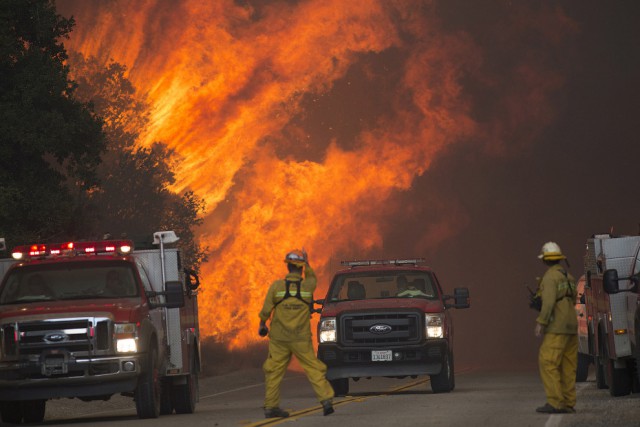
346 400
316 409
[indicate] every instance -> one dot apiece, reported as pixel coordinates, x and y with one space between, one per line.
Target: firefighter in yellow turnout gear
289 301
558 356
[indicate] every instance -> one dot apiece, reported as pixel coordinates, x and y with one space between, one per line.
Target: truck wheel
453 372
340 386
148 392
601 380
11 412
166 405
618 379
582 371
186 395
637 380
600 360
33 410
441 383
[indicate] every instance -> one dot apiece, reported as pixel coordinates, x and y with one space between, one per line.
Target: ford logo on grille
55 337
380 329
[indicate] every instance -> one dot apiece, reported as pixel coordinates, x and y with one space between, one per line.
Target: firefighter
288 304
558 322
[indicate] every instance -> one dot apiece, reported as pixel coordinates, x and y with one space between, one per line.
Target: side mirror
174 295
314 302
611 285
610 282
191 279
461 298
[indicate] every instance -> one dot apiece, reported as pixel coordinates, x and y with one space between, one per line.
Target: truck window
68 281
372 285
146 283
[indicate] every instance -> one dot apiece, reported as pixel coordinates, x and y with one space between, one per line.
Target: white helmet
296 257
551 252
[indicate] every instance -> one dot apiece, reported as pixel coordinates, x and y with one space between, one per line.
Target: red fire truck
612 266
88 320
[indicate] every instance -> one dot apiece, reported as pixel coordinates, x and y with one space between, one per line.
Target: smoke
373 128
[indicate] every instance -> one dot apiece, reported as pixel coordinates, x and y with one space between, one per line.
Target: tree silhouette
50 143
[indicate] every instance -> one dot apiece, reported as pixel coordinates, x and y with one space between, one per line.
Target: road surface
481 398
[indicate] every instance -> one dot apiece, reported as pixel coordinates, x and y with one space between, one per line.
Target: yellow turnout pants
558 360
276 365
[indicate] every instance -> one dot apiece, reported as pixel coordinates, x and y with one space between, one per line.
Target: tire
166 404
582 371
601 380
340 386
618 379
637 379
600 363
11 412
635 386
185 396
443 382
33 410
149 389
453 372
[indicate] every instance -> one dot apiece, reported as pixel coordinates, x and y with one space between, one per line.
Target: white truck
612 269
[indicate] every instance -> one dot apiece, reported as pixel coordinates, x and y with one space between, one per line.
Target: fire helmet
295 257
551 252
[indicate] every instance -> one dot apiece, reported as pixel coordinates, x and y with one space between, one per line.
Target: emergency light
120 247
361 263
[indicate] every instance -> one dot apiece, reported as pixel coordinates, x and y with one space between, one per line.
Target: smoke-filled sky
469 133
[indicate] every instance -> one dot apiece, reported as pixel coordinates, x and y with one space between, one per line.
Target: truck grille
394 328
76 337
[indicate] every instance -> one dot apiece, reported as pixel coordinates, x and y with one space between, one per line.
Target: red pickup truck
388 318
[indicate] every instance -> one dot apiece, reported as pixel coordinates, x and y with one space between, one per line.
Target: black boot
275 413
548 409
327 407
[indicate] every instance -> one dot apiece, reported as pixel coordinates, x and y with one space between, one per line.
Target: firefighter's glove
535 302
263 330
306 257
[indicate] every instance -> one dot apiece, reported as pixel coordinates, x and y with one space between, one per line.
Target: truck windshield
68 281
383 284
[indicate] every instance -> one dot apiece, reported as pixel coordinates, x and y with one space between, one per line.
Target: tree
133 197
50 143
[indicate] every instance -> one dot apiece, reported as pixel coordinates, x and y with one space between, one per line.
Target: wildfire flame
238 90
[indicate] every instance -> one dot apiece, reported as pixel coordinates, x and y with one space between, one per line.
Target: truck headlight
126 337
126 345
434 325
327 330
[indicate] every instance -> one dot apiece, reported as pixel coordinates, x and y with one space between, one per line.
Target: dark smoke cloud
564 181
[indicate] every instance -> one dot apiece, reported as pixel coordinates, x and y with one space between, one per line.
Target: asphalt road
481 398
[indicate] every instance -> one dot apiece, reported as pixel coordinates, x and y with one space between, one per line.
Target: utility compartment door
151 261
621 254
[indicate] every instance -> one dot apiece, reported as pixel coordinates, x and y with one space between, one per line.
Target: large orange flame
230 85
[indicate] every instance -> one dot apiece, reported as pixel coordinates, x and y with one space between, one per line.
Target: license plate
381 356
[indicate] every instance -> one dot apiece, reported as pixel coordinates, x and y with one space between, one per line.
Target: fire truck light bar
72 248
360 263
